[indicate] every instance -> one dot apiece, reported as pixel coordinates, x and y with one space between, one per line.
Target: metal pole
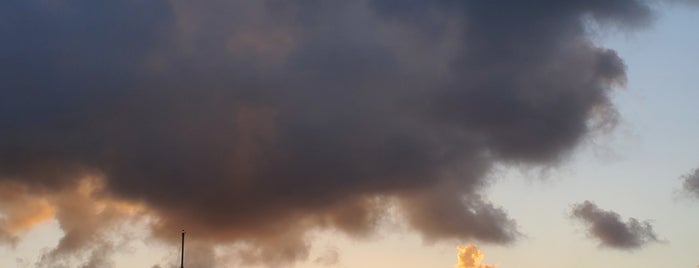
182 257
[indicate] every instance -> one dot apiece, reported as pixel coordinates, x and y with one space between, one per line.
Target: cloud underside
258 121
611 231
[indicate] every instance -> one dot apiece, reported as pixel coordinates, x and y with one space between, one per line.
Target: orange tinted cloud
84 212
20 210
470 256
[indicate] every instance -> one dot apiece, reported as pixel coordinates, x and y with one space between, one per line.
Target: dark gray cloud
690 183
257 121
610 229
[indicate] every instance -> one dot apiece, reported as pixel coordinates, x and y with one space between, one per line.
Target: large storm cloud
257 121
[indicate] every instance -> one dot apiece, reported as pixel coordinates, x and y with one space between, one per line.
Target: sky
376 133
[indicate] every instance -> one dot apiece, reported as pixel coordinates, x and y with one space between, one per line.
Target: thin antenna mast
182 252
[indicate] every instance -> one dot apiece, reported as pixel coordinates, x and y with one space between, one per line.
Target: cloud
470 256
608 227
256 122
691 183
21 210
688 2
329 257
85 213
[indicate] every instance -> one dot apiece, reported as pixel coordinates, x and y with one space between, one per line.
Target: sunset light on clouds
355 134
470 256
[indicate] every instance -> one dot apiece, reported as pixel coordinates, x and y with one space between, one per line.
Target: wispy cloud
329 257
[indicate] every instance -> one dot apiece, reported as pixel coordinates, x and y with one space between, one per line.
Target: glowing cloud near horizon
470 256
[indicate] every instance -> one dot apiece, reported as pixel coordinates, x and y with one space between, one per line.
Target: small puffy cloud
609 228
470 256
691 183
